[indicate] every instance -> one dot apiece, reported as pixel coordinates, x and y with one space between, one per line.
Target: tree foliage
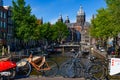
100 25
27 28
52 33
106 23
43 31
114 7
60 31
24 22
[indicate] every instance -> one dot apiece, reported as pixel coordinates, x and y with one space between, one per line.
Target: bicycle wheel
53 68
65 69
71 68
96 71
106 70
78 68
24 68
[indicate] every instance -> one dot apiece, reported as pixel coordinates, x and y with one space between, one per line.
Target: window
9 20
4 15
1 24
4 24
1 14
4 35
86 36
86 40
9 13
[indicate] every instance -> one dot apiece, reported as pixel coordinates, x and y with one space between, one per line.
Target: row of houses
6 25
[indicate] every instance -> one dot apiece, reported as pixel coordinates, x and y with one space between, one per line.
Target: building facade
3 25
6 25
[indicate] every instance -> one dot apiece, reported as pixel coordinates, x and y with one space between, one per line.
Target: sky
50 10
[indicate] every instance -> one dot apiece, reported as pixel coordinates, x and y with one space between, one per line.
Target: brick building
6 25
3 26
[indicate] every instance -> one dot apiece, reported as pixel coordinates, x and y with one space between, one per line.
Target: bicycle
75 68
106 65
46 67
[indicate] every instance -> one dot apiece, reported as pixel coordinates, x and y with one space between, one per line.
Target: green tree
60 31
106 23
114 10
51 33
43 32
24 22
100 27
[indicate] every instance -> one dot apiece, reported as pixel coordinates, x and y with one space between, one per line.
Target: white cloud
53 20
34 10
88 19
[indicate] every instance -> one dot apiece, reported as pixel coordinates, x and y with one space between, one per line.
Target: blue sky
50 10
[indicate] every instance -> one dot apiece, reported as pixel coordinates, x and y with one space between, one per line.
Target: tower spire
80 12
60 18
67 20
1 2
80 16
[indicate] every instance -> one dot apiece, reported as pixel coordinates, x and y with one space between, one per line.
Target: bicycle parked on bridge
106 66
76 68
45 67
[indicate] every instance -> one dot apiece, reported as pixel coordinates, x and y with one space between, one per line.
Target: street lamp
92 49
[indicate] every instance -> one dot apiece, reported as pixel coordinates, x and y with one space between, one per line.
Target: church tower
80 16
1 2
67 20
60 19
